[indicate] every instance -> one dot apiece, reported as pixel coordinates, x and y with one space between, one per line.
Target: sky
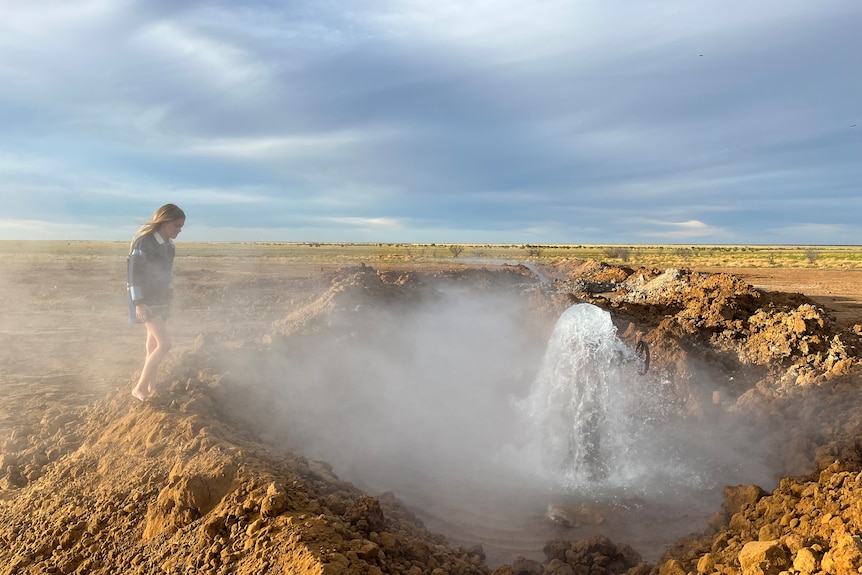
483 121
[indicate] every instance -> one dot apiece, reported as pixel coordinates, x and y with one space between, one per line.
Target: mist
426 391
431 400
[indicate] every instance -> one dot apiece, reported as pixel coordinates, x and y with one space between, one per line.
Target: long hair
166 213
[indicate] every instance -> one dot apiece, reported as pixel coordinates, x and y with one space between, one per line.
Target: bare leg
158 346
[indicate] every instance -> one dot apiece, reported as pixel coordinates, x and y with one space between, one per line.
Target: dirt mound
806 525
359 293
354 295
787 337
167 487
180 485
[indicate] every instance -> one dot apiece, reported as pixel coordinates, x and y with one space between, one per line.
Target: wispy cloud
367 223
692 229
282 147
195 57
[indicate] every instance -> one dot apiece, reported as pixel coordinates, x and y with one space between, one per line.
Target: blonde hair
166 213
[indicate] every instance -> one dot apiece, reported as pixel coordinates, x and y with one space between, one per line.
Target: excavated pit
417 386
418 378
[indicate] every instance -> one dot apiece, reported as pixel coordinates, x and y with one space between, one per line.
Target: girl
149 274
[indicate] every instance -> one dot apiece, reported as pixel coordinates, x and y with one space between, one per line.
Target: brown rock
844 556
368 550
672 567
524 566
556 549
557 567
366 514
769 532
806 561
737 497
763 558
706 564
275 501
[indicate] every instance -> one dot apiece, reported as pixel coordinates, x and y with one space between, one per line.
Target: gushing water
589 418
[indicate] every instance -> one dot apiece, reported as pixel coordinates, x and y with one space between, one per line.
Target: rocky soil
185 484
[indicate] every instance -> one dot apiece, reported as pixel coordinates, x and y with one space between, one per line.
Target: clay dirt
326 416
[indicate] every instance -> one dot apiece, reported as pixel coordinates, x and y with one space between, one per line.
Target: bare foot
139 395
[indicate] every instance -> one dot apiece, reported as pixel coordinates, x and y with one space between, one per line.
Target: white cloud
281 147
366 223
511 30
195 57
49 19
685 230
219 196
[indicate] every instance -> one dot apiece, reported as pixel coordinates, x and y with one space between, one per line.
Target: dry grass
660 256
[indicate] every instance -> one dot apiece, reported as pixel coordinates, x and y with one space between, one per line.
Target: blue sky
577 121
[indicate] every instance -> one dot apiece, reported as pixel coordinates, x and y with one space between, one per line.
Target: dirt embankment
182 484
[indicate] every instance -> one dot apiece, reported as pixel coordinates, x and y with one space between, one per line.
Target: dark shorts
161 310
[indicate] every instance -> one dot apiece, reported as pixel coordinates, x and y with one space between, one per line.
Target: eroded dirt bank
201 480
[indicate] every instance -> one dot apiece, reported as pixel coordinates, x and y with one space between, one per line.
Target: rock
763 558
561 515
585 514
388 541
672 567
737 497
844 555
556 549
368 550
805 561
7 460
557 567
478 551
366 514
524 566
706 564
72 535
275 501
769 532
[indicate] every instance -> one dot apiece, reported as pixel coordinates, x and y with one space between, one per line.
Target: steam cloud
424 401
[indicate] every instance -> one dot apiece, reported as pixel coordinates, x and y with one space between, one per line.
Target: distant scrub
656 256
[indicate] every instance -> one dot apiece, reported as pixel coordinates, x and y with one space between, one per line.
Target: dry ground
65 340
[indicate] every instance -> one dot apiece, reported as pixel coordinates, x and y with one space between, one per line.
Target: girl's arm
135 272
